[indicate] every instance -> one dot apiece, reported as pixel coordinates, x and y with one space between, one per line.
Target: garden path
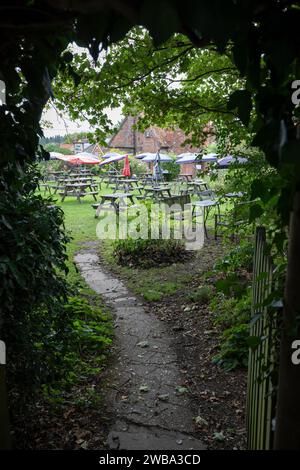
151 407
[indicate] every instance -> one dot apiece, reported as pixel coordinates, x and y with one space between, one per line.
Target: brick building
130 140
151 140
133 141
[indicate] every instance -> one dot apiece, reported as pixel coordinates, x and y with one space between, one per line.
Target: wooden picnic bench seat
90 193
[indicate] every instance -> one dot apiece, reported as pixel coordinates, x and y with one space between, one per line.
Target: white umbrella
225 162
210 157
54 155
110 154
140 156
187 158
61 156
87 155
113 159
153 157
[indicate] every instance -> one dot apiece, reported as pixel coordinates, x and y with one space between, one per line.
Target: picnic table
206 205
55 175
112 178
198 185
79 190
158 191
185 177
81 173
115 199
80 179
127 183
62 182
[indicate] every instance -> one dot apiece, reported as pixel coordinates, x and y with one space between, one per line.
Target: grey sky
66 125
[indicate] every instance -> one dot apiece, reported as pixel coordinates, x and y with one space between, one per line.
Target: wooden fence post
287 430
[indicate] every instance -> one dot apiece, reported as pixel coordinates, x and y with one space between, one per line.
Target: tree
52 147
171 84
265 44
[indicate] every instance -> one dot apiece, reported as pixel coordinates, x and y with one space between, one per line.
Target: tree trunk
4 421
287 429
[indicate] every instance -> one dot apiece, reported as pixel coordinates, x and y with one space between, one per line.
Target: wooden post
287 430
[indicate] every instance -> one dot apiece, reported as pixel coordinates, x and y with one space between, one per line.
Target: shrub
146 253
234 348
233 315
201 295
137 167
58 349
230 312
240 257
46 333
173 170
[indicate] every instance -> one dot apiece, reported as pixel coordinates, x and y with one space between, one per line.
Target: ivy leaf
242 102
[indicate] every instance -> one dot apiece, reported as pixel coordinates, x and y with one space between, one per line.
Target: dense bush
32 263
32 242
173 170
53 339
146 253
137 167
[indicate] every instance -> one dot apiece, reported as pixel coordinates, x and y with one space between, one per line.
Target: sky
66 125
62 126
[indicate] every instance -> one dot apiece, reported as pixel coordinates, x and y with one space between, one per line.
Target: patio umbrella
187 158
113 159
60 156
140 156
87 154
152 158
209 157
225 162
126 169
110 154
56 155
83 160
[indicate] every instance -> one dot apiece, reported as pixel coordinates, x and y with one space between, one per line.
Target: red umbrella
126 169
84 160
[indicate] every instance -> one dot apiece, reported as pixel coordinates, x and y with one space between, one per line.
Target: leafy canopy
174 84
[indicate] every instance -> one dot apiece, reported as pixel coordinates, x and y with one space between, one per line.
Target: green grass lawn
80 222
